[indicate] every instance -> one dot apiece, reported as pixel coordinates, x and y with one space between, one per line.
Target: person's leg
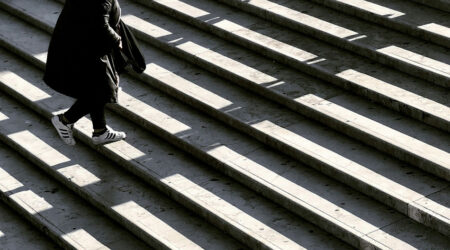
102 133
80 108
98 118
63 123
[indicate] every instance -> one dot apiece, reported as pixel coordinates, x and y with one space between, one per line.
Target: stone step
396 91
15 233
406 95
438 4
234 209
51 207
348 121
141 108
405 53
234 107
149 215
425 23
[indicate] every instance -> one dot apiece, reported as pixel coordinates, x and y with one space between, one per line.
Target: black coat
84 57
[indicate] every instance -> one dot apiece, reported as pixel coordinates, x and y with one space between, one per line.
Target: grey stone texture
275 125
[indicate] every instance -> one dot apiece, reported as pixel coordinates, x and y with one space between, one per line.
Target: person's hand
120 44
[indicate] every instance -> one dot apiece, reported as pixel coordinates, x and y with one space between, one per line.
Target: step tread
15 233
54 209
173 127
419 101
134 105
425 23
375 42
438 4
221 58
208 192
140 209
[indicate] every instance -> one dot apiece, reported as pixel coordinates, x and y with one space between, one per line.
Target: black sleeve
108 37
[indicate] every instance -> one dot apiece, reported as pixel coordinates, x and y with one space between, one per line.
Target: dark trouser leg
98 116
83 107
79 109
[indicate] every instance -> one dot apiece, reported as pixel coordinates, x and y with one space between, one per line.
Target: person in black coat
90 45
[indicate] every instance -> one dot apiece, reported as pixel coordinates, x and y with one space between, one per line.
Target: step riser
312 70
438 4
334 41
386 22
383 197
40 223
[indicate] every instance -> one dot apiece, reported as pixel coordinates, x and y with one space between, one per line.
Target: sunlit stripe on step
398 94
3 117
302 18
187 87
148 112
42 57
226 63
31 202
370 127
265 41
35 205
83 239
151 224
144 26
437 29
7 182
230 213
53 158
373 8
1 234
241 31
35 146
20 85
323 156
183 7
323 208
79 175
417 60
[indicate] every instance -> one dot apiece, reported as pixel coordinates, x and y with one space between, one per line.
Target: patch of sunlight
144 26
152 115
1 234
303 19
83 240
31 202
3 117
7 182
228 64
395 93
41 57
416 59
276 84
437 29
22 86
265 41
357 38
125 150
79 175
38 148
286 187
187 87
151 224
183 8
316 61
225 210
373 8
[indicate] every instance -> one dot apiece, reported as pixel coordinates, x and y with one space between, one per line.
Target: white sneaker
110 135
64 131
